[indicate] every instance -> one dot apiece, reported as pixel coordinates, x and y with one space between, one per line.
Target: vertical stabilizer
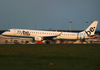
91 29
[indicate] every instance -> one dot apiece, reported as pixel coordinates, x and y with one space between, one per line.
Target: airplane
40 35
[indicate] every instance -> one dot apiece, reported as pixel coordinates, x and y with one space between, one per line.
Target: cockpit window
8 31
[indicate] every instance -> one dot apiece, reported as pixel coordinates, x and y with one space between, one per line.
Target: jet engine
37 38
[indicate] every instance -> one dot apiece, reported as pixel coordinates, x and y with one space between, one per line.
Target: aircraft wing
51 37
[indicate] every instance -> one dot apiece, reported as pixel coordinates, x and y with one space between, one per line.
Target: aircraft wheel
47 42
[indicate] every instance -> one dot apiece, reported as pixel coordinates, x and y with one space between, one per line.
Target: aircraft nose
3 33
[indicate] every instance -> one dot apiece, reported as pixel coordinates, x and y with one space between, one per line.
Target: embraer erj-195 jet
39 35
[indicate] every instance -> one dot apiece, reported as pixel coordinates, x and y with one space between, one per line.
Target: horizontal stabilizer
93 35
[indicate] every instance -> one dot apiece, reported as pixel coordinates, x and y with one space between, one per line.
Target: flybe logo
24 33
90 30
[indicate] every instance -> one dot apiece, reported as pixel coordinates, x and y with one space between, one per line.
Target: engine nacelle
37 38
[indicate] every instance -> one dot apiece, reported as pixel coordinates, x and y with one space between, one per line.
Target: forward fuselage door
14 32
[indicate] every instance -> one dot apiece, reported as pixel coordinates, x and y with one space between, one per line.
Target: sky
49 14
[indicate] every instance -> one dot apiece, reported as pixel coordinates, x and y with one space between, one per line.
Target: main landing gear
47 42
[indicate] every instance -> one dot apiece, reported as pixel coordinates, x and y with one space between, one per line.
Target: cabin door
14 31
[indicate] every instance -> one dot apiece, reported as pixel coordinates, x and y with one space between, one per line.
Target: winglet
60 33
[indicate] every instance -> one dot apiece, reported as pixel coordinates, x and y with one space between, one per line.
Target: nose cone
3 33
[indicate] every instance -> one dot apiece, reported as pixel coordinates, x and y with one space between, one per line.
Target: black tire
47 42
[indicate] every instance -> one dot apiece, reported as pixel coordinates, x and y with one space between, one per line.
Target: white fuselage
40 33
